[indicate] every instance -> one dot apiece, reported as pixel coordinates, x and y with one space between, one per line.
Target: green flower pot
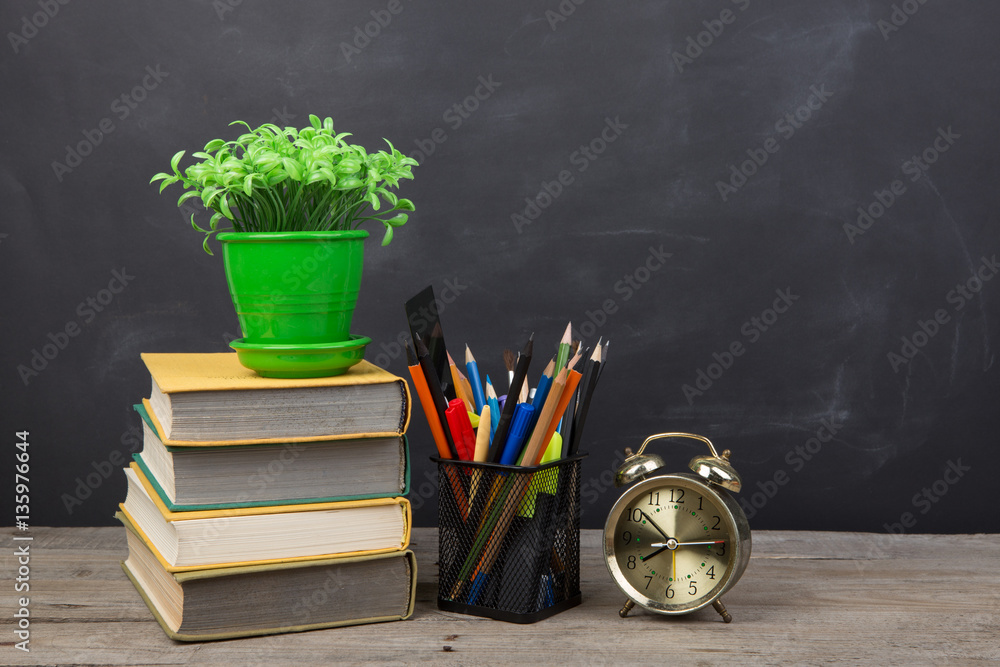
294 288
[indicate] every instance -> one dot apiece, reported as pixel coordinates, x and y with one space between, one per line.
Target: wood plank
806 598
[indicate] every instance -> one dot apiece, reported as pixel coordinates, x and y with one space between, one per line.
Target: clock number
722 550
670 591
654 497
631 563
680 498
700 498
692 589
648 579
718 520
634 514
627 537
711 573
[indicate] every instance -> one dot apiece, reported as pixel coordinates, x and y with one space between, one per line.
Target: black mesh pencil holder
509 539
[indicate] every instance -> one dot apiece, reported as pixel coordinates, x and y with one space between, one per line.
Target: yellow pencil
456 379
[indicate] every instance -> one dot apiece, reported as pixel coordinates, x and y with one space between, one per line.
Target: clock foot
623 612
721 608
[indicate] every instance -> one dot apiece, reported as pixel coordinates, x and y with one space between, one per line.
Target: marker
461 429
518 430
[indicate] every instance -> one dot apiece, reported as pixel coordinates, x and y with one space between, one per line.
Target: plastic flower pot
294 288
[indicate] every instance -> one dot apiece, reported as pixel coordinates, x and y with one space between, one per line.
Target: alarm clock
676 542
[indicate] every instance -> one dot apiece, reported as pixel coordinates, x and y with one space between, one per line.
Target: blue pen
523 415
477 384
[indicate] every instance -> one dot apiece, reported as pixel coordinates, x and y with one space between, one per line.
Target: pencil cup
509 539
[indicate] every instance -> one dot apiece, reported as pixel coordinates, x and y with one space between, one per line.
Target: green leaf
190 194
387 239
175 161
315 121
224 205
248 185
398 221
405 205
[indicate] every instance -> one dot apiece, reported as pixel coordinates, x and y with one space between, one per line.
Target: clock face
669 544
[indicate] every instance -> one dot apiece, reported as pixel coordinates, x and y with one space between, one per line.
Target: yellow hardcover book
260 535
215 603
211 400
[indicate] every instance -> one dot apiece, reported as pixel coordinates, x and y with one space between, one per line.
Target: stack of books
260 505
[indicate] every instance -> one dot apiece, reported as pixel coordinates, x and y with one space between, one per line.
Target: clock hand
695 544
663 547
653 524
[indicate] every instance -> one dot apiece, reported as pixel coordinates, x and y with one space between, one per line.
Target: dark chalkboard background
688 94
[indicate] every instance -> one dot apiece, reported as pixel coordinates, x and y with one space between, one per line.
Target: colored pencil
591 373
434 385
423 393
562 352
472 368
456 379
533 450
494 405
503 426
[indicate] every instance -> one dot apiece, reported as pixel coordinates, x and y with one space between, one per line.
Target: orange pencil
434 422
535 447
424 393
572 381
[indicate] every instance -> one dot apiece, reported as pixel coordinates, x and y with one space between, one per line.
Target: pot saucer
272 360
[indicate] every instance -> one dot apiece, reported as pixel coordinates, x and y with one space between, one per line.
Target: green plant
282 180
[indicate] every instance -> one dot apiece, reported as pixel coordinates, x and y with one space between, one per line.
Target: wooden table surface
806 598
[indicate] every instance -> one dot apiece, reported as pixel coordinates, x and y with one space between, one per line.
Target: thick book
210 399
244 600
273 533
228 476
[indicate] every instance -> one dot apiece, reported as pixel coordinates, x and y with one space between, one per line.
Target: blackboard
783 216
